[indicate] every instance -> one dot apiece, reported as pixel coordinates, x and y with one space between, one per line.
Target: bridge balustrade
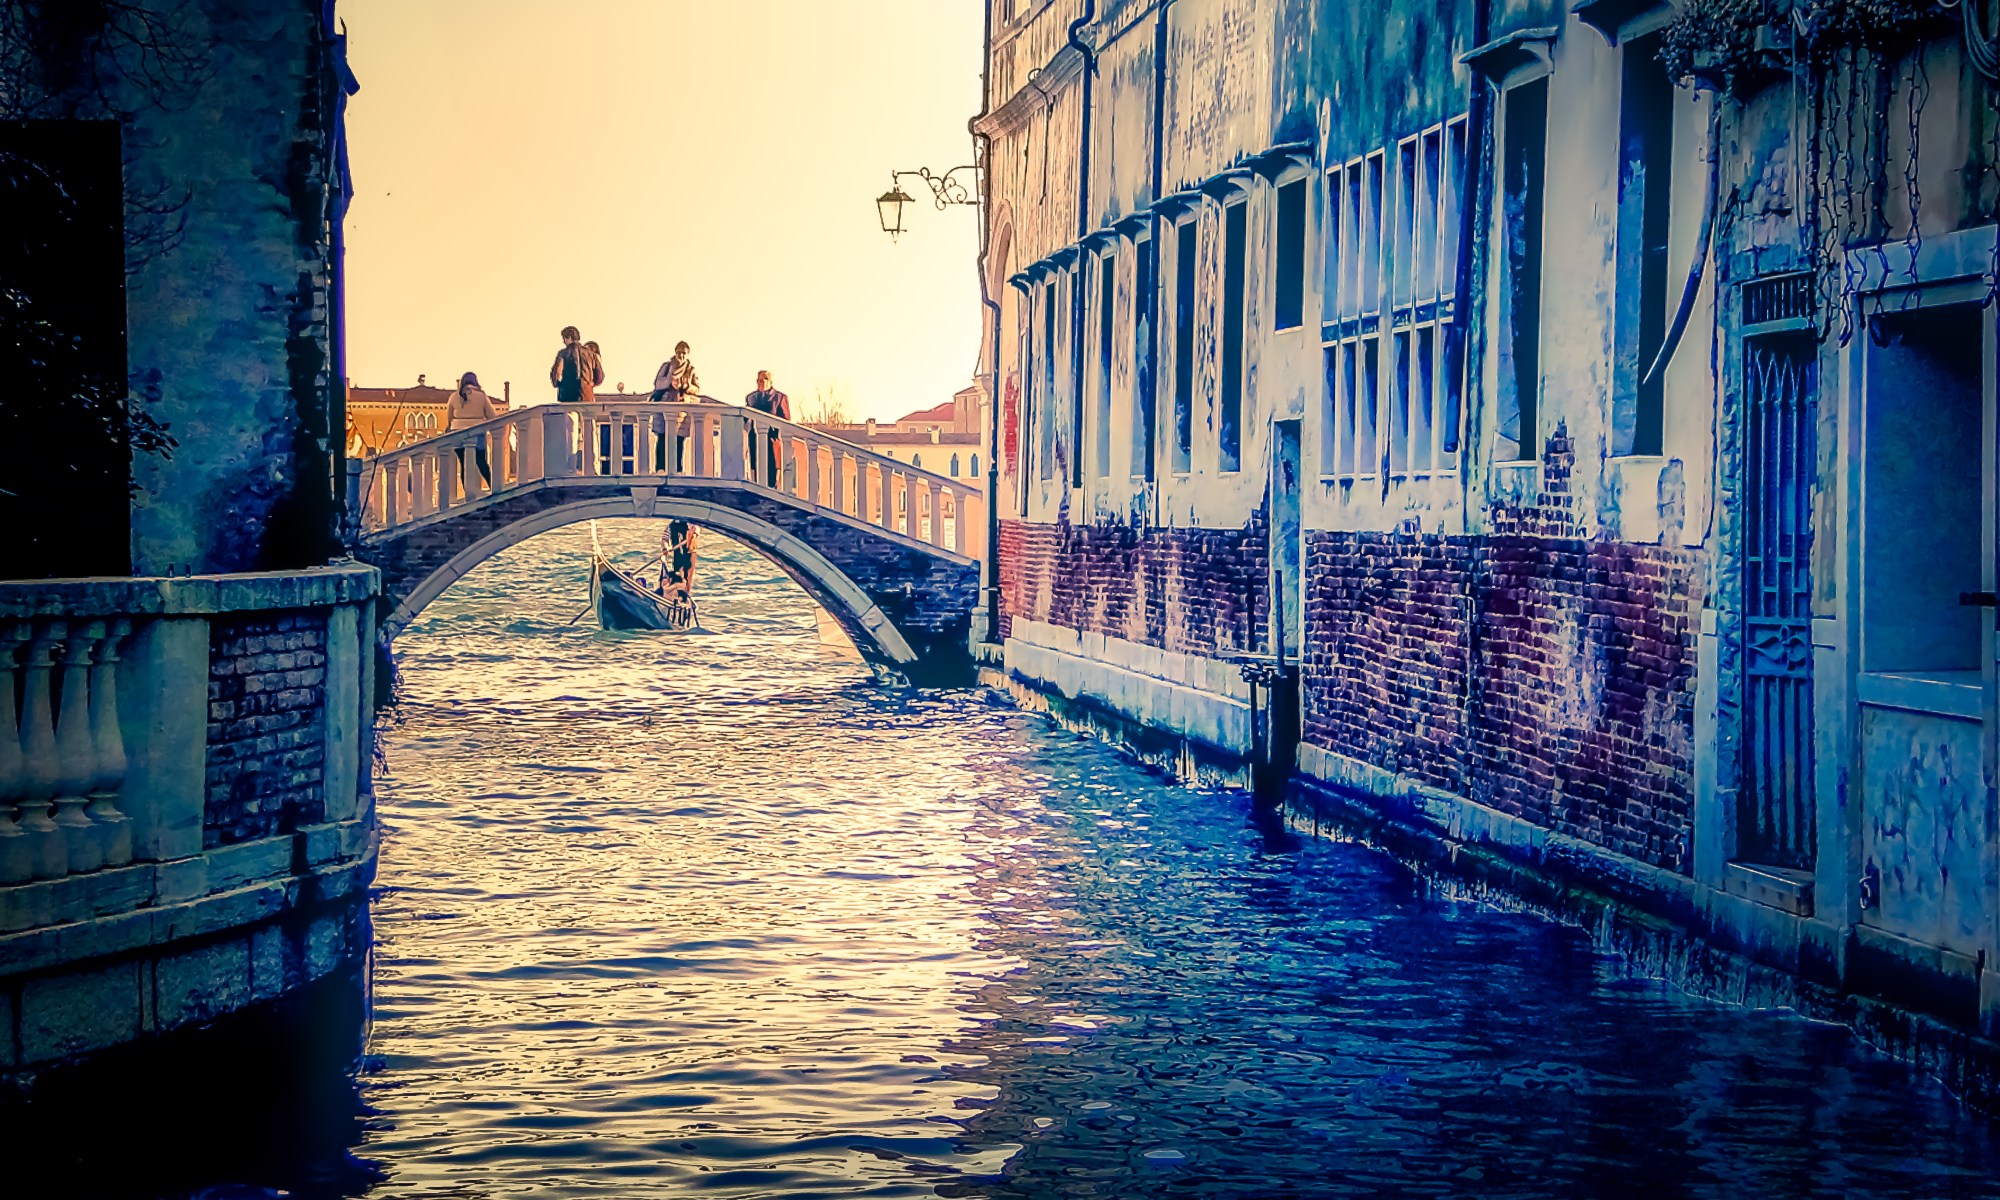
648 443
153 730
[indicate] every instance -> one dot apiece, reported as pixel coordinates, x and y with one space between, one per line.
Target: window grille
1391 280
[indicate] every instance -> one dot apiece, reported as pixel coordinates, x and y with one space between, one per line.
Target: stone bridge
891 551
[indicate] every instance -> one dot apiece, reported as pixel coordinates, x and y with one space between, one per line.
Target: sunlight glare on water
715 914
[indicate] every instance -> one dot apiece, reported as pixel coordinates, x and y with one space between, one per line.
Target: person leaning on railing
469 406
676 383
767 399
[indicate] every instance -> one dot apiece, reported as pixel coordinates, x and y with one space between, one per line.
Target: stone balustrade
659 443
179 758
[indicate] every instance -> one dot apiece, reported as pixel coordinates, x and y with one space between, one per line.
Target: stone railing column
38 755
113 828
960 508
733 437
837 489
528 431
17 864
76 758
558 446
812 473
394 511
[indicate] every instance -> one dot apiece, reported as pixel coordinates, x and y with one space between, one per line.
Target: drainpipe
1076 43
1159 233
985 160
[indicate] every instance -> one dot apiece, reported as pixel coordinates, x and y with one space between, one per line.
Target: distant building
380 419
947 440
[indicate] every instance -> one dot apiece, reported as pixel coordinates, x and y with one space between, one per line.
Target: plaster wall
230 322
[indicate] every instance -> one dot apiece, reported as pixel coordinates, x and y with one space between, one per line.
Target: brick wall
266 750
1535 671
1195 591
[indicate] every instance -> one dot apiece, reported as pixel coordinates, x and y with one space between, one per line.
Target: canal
714 915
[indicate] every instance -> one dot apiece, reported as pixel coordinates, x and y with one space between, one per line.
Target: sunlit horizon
617 166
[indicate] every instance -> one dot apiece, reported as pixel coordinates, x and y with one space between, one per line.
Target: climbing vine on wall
1858 75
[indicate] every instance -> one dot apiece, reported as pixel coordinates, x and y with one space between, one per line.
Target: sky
654 171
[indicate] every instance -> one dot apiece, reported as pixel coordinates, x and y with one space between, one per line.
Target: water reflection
715 914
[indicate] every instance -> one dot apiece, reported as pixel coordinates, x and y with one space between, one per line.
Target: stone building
186 665
1560 432
946 439
380 419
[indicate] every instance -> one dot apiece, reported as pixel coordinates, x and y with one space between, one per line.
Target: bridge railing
644 442
146 721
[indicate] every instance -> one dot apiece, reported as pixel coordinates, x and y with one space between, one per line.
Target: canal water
715 915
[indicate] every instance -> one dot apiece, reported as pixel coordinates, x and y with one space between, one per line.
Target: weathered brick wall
1536 671
1195 591
266 749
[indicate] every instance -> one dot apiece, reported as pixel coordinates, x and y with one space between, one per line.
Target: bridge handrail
643 441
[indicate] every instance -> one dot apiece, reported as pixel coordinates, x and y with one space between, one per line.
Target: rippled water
715 915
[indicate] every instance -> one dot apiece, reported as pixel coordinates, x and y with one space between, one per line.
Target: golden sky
661 170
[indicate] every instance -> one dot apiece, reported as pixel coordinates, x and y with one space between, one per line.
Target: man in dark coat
767 399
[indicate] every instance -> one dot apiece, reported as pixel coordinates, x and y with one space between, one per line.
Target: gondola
623 602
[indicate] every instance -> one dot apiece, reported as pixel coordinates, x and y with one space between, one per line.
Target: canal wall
186 816
1481 412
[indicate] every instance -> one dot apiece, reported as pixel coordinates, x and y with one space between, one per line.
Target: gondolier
624 601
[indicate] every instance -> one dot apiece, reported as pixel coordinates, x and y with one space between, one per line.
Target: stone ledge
194 595
234 885
1218 721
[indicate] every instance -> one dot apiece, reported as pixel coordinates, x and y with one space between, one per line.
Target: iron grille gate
1780 462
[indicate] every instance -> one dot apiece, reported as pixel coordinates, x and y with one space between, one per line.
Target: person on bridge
470 405
577 370
768 399
675 383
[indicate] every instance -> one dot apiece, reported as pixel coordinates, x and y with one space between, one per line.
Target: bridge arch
878 638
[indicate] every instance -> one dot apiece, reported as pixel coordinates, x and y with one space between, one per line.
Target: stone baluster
38 755
961 506
812 473
17 860
76 758
836 487
394 510
114 829
528 435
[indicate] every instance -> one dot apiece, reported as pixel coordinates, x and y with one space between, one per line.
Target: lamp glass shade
890 205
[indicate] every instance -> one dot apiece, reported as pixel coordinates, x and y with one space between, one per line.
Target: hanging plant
1710 38
1830 26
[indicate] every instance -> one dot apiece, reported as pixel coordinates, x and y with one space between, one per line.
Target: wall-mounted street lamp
946 189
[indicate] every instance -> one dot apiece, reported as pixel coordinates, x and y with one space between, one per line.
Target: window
916 460
1025 323
1926 532
1073 385
975 466
1645 187
1229 417
1289 300
1402 247
954 466
1525 121
1143 305
1186 235
1107 297
1046 448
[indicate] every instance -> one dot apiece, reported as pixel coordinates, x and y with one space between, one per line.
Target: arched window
975 466
954 466
916 460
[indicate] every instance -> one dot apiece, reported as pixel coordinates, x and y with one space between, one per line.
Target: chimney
420 381
506 391
871 429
